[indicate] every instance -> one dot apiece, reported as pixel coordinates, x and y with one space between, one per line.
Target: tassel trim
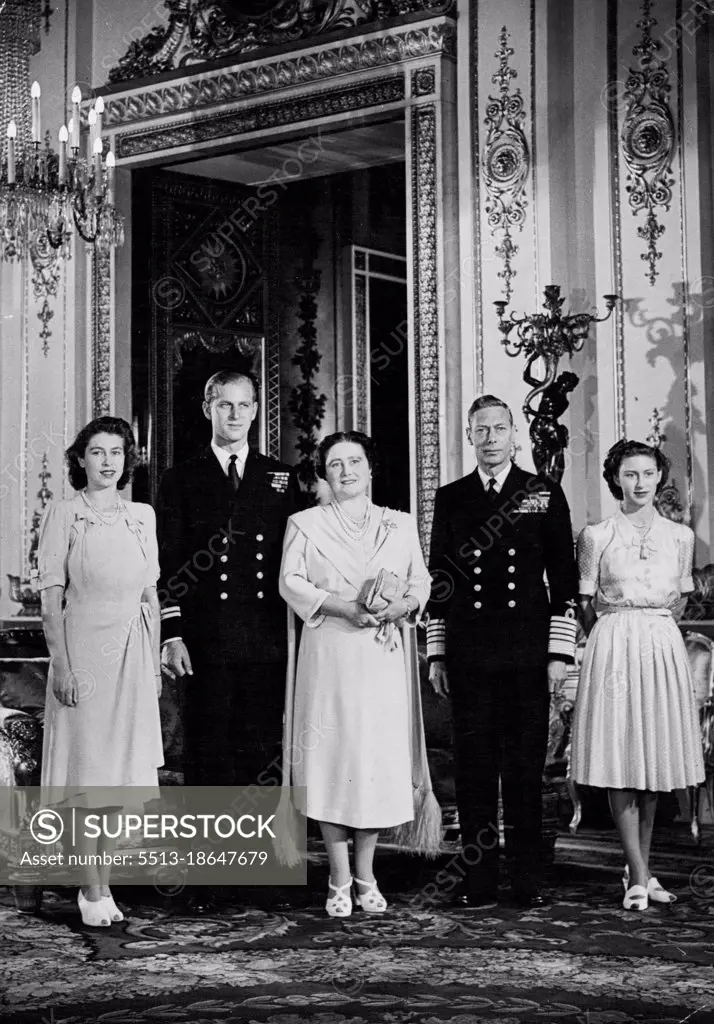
422 835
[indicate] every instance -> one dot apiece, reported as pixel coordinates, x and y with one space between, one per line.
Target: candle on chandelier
63 137
110 177
76 100
11 133
99 110
35 93
92 125
97 162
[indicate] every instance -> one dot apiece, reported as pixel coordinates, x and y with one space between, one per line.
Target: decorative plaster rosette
506 163
648 139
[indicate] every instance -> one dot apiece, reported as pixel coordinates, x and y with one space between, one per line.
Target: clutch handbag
376 594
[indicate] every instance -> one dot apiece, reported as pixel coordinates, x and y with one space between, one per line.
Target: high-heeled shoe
371 901
95 913
635 898
339 905
115 913
656 893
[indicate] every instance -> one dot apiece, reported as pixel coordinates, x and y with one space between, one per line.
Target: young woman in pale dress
98 567
636 728
350 721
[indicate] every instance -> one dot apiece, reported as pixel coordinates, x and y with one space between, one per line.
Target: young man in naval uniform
497 637
221 519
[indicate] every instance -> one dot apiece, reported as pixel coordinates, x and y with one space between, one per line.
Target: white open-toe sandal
339 905
372 901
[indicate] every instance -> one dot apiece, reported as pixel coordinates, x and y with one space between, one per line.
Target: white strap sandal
371 901
339 905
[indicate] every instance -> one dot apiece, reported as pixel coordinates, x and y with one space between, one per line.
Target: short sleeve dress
636 723
112 736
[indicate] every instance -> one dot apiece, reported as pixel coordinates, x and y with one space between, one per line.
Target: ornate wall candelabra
548 337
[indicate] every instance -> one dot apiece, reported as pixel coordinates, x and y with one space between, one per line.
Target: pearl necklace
106 519
356 529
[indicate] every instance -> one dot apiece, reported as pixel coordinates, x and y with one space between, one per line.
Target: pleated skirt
636 722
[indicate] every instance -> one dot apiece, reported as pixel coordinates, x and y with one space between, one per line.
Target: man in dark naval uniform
496 637
221 519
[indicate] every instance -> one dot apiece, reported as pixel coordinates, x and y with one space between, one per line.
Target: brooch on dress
280 480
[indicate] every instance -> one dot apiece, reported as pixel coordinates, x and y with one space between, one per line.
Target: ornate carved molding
389 89
426 311
360 357
306 404
506 162
668 502
423 82
207 30
101 334
219 87
45 281
272 332
217 343
648 139
613 71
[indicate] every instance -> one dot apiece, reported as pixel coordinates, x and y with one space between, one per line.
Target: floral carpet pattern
580 960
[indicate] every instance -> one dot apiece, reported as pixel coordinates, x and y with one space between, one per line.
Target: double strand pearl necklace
105 518
356 529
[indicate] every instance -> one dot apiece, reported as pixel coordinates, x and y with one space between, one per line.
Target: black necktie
491 490
233 473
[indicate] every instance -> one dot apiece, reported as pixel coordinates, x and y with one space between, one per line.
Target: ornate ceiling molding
377 93
648 139
208 30
210 89
506 162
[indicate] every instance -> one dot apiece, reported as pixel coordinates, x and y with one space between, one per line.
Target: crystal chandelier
44 195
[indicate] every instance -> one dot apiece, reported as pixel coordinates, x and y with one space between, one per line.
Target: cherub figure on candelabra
549 439
544 338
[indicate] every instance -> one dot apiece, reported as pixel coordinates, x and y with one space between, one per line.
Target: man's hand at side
438 678
557 674
175 660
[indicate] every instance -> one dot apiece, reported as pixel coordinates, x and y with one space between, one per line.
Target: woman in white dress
352 711
98 567
636 729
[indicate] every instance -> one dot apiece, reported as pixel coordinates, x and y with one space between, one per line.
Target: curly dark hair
354 437
102 425
624 450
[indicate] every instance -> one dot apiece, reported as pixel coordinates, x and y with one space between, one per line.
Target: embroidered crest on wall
506 163
648 139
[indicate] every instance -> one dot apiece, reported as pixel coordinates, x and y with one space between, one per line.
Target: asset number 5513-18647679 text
201 858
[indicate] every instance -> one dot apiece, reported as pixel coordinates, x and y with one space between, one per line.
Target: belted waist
635 608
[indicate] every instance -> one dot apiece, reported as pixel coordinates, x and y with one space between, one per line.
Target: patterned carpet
580 960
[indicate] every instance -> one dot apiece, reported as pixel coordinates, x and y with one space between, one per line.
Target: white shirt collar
499 477
224 457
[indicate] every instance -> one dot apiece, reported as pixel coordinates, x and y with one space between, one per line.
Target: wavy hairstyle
626 449
102 425
354 437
